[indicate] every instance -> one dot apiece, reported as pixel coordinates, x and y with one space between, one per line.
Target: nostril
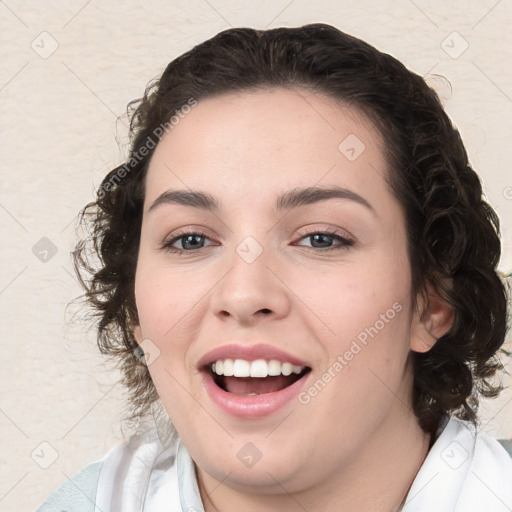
266 311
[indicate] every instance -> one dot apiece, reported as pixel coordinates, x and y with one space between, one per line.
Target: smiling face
272 243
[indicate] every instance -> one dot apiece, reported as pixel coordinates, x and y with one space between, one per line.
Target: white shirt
464 471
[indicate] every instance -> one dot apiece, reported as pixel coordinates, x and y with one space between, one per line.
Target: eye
326 241
186 242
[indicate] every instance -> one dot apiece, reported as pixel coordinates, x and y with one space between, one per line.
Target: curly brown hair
453 234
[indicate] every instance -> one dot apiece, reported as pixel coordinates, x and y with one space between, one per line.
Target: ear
432 319
137 333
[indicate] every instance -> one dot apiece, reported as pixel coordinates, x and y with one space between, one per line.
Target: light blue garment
507 444
139 475
463 472
78 494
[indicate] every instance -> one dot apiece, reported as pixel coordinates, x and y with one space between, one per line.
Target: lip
249 353
256 406
251 407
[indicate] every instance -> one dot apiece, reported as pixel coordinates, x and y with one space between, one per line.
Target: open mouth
258 377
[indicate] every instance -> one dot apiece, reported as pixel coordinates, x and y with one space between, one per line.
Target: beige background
69 69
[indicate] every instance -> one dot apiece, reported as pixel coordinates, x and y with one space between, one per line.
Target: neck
376 478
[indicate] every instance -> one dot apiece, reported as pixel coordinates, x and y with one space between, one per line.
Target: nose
251 292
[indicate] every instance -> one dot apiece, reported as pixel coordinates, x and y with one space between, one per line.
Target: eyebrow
291 199
310 195
192 198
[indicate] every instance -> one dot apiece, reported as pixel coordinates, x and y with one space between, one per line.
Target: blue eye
327 241
195 241
191 241
186 242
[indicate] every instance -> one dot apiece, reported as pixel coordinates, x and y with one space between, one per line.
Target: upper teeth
257 368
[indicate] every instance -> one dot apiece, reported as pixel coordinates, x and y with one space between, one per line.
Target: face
274 254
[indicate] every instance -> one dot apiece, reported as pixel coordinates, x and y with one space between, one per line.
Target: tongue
245 385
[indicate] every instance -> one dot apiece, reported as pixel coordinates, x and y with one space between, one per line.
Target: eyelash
344 242
167 244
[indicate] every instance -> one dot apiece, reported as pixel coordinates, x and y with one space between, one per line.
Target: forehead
273 139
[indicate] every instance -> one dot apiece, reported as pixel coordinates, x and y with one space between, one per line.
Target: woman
297 263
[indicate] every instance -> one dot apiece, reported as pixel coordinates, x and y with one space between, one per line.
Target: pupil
321 240
192 241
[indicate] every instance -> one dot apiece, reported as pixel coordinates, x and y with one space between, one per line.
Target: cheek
170 303
364 313
166 308
346 300
165 298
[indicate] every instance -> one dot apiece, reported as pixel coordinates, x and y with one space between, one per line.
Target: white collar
463 472
145 475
